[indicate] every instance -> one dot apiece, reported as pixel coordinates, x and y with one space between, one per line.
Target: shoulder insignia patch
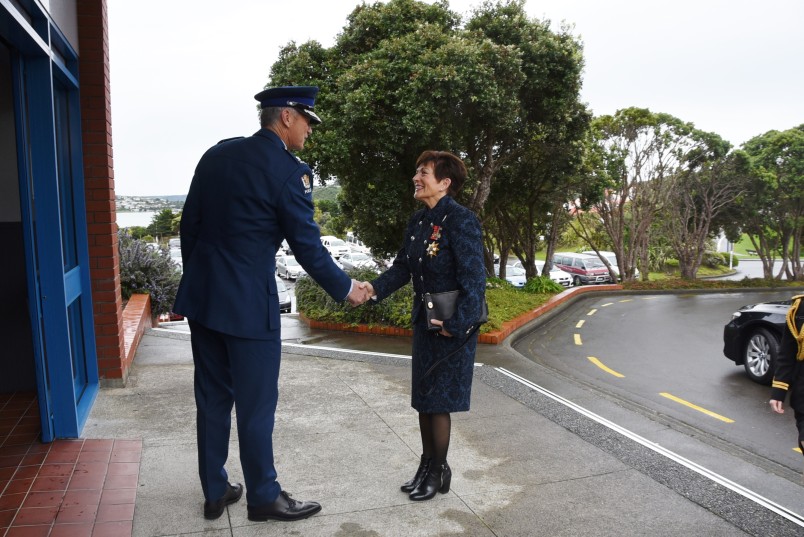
305 179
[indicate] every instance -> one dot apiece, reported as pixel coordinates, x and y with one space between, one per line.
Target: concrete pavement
526 461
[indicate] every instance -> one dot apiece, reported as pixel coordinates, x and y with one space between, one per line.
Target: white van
337 247
356 244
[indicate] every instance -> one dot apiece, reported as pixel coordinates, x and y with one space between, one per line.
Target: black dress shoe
420 473
213 510
283 508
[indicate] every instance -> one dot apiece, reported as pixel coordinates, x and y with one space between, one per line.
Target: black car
752 338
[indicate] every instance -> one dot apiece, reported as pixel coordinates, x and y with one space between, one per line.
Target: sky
184 72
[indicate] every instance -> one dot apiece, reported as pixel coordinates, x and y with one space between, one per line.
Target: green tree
405 76
772 211
163 223
699 195
637 155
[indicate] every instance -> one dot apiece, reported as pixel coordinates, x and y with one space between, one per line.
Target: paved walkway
525 461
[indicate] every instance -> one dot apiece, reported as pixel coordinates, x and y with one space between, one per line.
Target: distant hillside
328 193
179 197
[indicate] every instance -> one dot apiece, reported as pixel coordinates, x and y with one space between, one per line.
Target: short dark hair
270 115
445 164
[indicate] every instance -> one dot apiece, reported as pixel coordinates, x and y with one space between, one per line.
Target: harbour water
129 219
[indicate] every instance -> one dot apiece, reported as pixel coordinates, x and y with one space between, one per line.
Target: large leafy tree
638 154
700 194
404 76
772 210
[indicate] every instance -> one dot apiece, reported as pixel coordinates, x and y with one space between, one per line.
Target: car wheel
576 281
759 353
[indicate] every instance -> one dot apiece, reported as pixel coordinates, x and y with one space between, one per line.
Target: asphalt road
664 354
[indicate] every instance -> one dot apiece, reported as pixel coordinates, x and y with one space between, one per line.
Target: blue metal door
50 163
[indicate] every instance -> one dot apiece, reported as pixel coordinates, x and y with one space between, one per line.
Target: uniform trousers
245 373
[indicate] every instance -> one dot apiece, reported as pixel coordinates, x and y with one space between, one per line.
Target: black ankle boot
420 473
437 480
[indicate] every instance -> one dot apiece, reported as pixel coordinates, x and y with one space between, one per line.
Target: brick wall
104 259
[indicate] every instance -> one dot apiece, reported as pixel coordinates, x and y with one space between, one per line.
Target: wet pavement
530 457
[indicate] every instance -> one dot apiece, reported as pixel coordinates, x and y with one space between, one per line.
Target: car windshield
593 263
514 271
337 242
357 256
291 261
280 285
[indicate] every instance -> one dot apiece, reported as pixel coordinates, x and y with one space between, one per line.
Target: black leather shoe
437 479
213 510
420 473
283 508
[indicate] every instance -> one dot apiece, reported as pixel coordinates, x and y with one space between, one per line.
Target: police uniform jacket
248 194
442 251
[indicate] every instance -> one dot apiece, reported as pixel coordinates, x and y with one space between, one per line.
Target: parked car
355 260
514 275
175 256
288 268
356 244
284 296
557 275
174 243
584 268
337 247
752 338
611 257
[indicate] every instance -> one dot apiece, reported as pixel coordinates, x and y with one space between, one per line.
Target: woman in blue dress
442 251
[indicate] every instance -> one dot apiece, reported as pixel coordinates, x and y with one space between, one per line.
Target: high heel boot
437 480
420 473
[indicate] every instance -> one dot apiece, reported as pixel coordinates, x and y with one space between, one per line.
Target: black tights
435 430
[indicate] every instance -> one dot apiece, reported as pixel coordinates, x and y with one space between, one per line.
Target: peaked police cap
302 98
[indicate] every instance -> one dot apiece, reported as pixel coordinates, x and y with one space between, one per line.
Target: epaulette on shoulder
230 139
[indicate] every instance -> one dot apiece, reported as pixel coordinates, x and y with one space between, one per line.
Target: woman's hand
441 324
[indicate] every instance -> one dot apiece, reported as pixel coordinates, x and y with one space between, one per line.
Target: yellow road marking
580 323
607 304
592 312
627 300
604 368
578 339
696 407
650 298
797 449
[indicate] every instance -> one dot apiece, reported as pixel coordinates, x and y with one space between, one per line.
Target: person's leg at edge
255 373
213 400
436 430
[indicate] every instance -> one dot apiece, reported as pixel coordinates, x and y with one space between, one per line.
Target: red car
584 268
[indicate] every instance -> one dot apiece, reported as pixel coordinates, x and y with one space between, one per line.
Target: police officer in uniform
247 195
789 374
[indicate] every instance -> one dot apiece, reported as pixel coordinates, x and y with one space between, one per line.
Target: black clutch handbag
441 306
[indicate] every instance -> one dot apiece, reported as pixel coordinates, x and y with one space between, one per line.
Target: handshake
361 292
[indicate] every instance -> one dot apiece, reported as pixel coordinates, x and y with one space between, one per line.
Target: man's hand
777 406
361 291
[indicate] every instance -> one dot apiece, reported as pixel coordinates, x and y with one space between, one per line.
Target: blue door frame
48 126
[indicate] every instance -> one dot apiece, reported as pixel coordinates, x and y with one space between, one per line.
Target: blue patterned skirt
451 381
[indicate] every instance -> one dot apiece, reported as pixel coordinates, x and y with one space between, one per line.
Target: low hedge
505 303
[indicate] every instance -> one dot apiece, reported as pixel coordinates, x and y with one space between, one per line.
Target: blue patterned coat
443 251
